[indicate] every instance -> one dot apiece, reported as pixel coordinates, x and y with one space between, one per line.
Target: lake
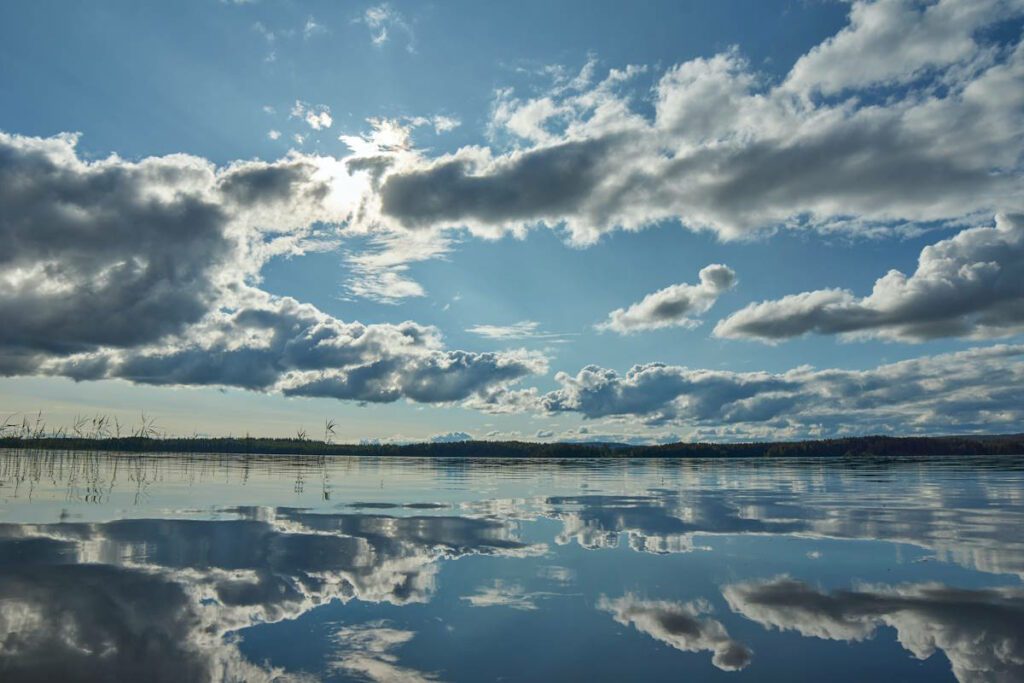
186 567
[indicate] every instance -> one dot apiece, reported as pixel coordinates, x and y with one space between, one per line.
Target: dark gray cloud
978 389
120 254
255 183
653 390
143 270
537 184
980 631
969 285
439 377
684 626
283 345
107 254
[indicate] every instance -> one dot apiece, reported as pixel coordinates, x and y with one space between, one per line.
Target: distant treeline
1012 444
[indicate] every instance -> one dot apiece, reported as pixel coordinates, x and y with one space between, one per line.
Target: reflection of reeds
93 477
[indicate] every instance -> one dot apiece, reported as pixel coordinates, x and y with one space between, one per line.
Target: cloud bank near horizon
149 271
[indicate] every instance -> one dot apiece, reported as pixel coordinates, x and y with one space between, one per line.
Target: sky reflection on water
227 568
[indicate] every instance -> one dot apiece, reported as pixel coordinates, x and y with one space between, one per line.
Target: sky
569 221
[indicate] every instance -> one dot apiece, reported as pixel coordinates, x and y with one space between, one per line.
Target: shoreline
864 446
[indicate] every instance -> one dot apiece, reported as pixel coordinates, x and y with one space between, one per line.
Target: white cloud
974 390
725 149
316 116
440 123
970 285
380 269
896 41
729 152
524 329
274 134
519 330
386 137
673 306
443 124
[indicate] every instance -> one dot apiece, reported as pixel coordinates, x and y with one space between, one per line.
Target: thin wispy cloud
524 329
311 28
386 23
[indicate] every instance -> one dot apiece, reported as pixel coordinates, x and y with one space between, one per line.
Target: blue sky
431 218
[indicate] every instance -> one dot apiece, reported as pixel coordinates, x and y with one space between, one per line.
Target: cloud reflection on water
980 631
155 585
682 625
123 599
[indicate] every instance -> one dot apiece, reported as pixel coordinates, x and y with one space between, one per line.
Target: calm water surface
184 568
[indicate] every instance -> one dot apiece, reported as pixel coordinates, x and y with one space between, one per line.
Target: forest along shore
914 446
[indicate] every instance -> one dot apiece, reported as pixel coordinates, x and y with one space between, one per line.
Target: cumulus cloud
442 377
725 148
110 253
728 151
895 41
682 625
145 271
977 389
673 306
980 631
969 285
278 344
120 254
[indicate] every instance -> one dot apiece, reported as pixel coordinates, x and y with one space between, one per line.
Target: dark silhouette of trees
1012 444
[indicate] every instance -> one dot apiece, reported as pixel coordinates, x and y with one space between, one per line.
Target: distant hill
1010 444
